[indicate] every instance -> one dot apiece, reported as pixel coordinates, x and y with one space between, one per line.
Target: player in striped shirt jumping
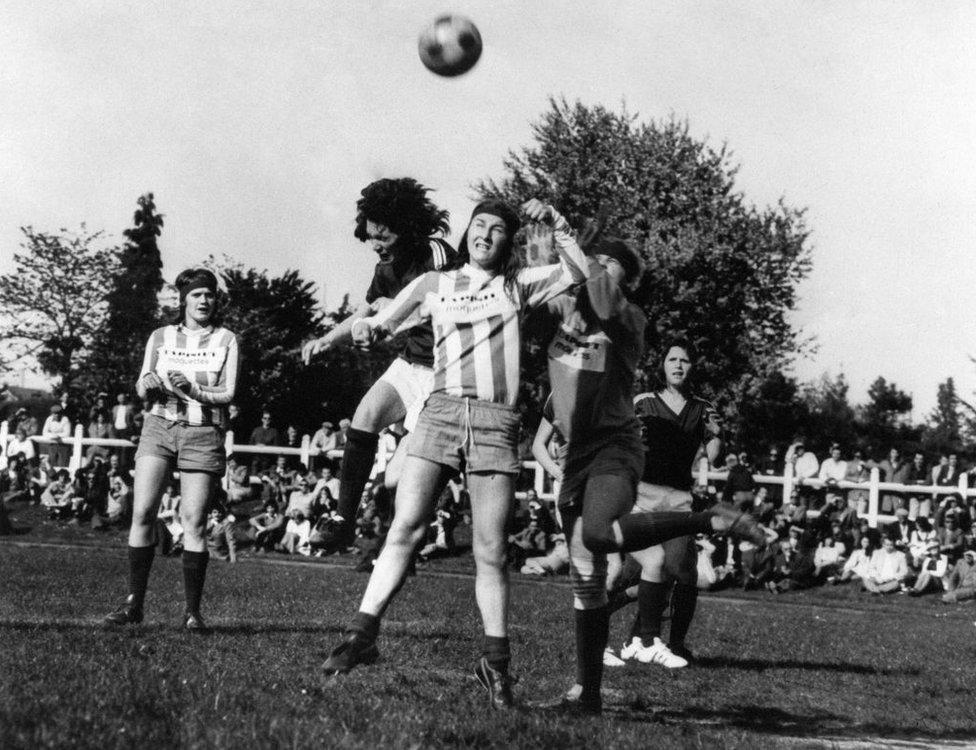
469 420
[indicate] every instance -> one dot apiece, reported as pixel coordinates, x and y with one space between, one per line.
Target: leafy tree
830 417
54 301
884 420
774 417
943 431
719 271
132 307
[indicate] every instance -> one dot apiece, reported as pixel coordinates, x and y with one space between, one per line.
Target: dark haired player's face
381 239
677 365
487 236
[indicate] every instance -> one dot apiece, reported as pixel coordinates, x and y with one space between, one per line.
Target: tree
943 431
132 306
883 419
719 271
54 301
774 417
830 416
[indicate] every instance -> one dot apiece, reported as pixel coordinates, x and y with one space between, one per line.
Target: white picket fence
543 485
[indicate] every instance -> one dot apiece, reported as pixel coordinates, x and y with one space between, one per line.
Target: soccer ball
450 46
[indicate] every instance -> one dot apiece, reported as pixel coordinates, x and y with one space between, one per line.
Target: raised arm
541 283
341 334
403 311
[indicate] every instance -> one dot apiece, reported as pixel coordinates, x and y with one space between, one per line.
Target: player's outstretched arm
540 449
341 335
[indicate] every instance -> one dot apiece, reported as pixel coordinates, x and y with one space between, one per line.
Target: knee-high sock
592 632
358 456
140 563
642 530
684 599
194 574
652 598
497 650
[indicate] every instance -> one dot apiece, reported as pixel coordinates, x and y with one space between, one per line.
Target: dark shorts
192 447
478 436
620 454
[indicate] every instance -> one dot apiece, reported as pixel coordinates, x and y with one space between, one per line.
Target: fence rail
544 486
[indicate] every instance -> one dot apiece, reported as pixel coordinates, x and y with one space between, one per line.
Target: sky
257 124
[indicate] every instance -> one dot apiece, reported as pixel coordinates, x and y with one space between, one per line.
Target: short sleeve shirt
671 440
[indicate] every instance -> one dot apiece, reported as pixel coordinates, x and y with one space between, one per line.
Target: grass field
827 667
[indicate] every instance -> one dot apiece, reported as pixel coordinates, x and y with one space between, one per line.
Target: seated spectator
100 427
763 509
267 528
80 495
858 566
327 487
961 582
344 425
221 542
829 557
38 478
922 536
171 534
21 444
295 540
889 569
369 539
708 575
556 561
950 538
118 503
931 571
901 530
530 542
15 480
440 533
798 571
238 483
302 500
57 497
277 482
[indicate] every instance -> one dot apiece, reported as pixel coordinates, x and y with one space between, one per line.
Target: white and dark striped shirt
208 358
477 323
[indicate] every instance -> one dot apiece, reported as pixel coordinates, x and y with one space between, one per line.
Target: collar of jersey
197 333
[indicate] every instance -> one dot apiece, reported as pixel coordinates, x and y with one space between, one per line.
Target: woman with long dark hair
190 375
469 421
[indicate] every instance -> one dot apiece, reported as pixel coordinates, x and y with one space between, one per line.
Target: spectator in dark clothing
265 434
772 466
901 530
739 485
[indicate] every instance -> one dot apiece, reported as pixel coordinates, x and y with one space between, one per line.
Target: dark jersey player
592 360
399 221
675 426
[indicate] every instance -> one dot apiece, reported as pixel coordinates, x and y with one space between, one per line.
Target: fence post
75 463
4 436
305 456
873 498
539 479
963 486
228 451
787 481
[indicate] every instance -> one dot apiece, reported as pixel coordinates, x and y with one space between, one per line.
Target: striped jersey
208 358
477 322
389 279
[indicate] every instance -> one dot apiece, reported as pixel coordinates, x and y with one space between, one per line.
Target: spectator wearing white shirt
57 426
805 466
834 467
324 440
858 565
22 444
889 569
829 556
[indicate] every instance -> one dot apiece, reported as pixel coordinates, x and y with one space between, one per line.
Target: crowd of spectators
819 535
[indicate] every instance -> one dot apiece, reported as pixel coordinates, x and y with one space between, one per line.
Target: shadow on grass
760 665
774 721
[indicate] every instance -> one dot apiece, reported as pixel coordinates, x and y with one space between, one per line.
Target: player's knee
599 539
489 552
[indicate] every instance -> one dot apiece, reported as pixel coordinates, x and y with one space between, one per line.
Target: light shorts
478 436
413 384
192 447
657 497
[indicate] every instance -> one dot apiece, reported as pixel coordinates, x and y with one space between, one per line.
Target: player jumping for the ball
401 223
469 420
592 360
